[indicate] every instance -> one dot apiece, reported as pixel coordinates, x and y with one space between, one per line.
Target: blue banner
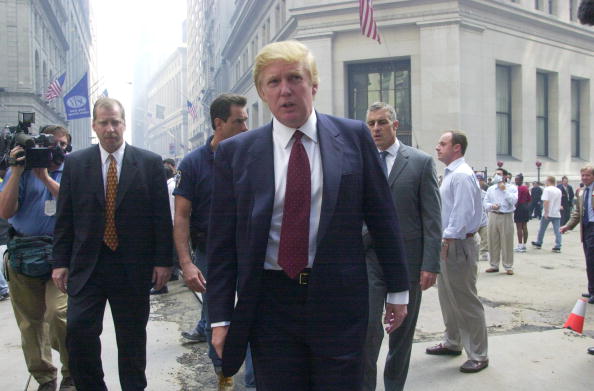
76 101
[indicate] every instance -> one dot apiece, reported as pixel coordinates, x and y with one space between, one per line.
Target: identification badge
50 207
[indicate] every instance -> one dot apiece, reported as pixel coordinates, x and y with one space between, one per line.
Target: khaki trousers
484 240
462 311
501 240
40 311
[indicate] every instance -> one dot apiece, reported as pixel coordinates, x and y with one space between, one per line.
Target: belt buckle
303 278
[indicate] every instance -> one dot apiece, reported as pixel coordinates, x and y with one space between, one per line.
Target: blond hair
588 167
289 52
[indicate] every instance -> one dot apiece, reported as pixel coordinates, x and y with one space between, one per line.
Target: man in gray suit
413 182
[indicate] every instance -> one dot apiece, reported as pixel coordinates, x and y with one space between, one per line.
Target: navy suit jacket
355 190
143 217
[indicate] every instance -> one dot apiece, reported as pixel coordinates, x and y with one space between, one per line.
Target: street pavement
528 349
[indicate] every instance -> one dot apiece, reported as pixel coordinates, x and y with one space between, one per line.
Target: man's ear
218 122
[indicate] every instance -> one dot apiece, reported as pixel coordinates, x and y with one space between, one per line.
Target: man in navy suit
288 206
113 238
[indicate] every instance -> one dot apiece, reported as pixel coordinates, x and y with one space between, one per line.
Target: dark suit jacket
414 188
566 196
578 213
354 190
143 219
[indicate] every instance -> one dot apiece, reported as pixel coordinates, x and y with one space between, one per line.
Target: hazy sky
120 25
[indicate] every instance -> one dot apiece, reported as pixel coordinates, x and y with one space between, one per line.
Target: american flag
54 90
367 21
192 110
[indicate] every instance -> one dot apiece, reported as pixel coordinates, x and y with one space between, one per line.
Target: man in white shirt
461 214
500 202
288 206
551 198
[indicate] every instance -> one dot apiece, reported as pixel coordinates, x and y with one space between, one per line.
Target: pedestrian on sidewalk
193 196
483 232
500 202
28 201
551 197
522 213
462 310
584 215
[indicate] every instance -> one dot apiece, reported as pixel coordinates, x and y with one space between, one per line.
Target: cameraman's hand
18 154
41 173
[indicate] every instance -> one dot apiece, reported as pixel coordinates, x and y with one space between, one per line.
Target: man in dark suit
113 237
413 182
566 199
288 205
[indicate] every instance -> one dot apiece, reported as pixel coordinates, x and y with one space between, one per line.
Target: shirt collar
393 149
118 154
455 164
285 134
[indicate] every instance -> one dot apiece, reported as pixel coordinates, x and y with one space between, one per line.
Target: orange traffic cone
575 321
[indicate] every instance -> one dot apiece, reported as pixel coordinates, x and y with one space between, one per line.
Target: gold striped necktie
110 236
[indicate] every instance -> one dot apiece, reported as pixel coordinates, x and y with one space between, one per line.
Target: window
538 4
386 81
575 117
503 109
573 7
542 114
552 10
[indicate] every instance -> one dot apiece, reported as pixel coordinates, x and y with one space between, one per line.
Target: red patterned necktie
110 236
293 249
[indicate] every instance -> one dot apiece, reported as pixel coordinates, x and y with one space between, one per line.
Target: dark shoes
193 336
49 386
536 245
492 270
556 249
591 300
591 350
440 350
473 366
67 384
4 296
159 291
586 295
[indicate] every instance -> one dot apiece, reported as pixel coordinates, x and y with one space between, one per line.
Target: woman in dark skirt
522 213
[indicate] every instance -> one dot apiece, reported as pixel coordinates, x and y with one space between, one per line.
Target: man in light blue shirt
461 214
500 202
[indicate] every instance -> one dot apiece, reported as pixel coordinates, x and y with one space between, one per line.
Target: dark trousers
290 354
400 343
588 243
565 213
129 303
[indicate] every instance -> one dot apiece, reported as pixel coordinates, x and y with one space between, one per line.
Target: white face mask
497 178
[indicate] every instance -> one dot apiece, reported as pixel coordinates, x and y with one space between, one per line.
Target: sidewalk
528 349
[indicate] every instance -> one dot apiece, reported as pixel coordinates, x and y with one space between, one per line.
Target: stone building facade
42 39
515 75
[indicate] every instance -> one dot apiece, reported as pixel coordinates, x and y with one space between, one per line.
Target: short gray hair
383 106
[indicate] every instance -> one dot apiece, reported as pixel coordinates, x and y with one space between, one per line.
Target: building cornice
51 17
244 24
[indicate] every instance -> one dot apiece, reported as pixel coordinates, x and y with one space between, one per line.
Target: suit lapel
129 170
331 147
260 160
399 164
94 172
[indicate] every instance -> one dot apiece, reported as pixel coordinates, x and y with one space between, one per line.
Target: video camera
39 150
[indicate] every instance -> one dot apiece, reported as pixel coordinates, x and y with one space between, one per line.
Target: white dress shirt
119 158
461 207
391 156
506 199
282 144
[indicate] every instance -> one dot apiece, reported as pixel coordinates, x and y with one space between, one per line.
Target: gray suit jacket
413 184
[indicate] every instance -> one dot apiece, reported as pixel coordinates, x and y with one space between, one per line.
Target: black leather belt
301 278
501 213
